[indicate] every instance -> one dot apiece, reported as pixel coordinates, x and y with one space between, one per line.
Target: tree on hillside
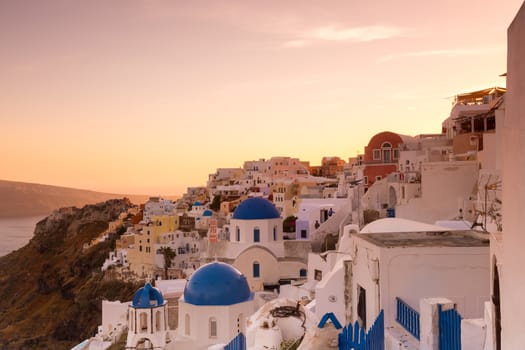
168 254
216 203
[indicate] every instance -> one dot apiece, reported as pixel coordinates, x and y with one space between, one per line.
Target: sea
16 232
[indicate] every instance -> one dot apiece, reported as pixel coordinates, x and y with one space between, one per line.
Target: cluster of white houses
412 226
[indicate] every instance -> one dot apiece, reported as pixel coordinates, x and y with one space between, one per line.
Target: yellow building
141 256
163 224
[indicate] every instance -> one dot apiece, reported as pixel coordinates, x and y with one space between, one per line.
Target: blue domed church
216 302
213 310
256 248
147 319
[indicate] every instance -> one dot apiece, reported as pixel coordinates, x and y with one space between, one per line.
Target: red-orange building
381 156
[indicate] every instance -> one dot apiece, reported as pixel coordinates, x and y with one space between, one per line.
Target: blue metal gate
354 337
238 343
449 329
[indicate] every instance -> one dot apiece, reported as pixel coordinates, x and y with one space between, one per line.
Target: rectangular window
386 155
365 180
256 235
324 215
318 275
213 328
377 154
396 153
303 234
256 270
378 178
187 324
158 324
143 322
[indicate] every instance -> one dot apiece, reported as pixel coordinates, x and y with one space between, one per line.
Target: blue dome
197 204
256 209
217 283
147 297
207 213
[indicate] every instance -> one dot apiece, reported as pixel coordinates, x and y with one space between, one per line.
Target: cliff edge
51 289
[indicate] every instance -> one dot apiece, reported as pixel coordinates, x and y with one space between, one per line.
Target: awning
474 95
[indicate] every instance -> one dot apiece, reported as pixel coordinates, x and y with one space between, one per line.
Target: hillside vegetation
51 290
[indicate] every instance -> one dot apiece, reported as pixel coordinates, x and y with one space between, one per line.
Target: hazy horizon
166 195
149 97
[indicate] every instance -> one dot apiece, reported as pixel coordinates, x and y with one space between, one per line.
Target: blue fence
408 318
352 338
238 343
375 338
355 338
449 329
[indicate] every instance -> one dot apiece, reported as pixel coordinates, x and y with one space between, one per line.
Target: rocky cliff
51 289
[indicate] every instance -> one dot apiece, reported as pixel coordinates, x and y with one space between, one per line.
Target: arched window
237 233
275 233
256 270
143 322
386 151
187 324
256 234
132 320
213 327
158 321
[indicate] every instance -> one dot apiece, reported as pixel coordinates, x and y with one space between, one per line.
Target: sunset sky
150 96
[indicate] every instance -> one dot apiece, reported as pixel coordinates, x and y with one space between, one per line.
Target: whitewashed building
415 265
213 310
507 259
157 206
256 247
402 259
313 212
